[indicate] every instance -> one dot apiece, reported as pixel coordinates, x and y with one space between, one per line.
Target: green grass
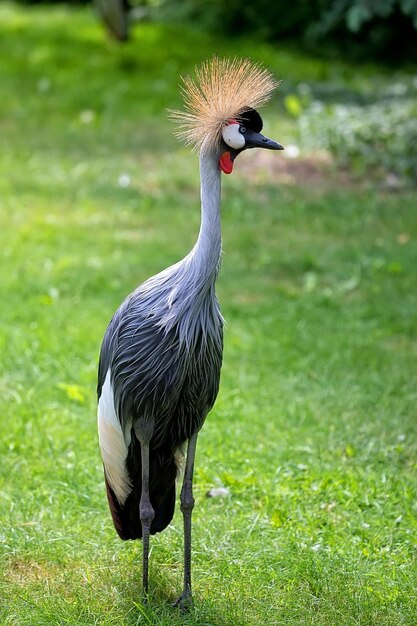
314 431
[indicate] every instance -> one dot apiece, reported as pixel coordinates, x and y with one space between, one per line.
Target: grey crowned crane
161 355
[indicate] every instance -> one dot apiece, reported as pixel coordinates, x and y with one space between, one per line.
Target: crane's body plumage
161 356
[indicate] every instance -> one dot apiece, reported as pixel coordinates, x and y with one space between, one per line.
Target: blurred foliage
354 14
378 135
358 27
385 29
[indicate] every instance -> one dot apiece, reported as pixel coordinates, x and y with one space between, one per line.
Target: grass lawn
314 431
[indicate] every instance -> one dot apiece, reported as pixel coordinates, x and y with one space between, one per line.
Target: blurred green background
314 430
378 28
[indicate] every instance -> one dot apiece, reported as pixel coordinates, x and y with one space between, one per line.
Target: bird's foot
184 603
145 599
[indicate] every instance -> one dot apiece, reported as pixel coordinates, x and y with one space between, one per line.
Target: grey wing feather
165 376
108 346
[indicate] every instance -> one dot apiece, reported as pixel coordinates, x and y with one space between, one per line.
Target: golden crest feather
223 90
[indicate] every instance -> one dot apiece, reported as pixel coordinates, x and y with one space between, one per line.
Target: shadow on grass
159 609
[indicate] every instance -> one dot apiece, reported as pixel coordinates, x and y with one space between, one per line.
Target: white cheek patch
232 137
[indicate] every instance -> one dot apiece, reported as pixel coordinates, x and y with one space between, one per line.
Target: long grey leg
187 505
146 513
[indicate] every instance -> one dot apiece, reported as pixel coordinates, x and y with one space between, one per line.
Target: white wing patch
112 442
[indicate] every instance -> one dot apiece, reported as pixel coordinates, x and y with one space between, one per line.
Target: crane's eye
242 129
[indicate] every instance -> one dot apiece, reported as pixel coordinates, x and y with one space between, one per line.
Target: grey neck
206 252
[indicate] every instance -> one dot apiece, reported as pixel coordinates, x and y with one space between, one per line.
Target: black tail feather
163 472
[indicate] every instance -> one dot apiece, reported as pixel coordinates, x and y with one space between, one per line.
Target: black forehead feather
252 120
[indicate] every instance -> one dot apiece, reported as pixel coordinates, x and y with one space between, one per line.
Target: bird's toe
184 603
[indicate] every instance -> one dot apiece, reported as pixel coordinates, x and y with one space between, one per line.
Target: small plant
380 136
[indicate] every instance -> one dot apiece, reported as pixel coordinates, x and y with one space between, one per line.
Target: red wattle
226 163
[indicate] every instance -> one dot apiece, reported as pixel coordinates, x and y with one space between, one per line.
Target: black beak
256 140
